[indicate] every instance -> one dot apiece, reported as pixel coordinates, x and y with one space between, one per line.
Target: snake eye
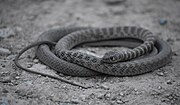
112 58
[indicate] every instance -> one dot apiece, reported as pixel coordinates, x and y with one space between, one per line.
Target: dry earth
29 18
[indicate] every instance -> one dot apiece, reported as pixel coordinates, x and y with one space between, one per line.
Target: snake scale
124 63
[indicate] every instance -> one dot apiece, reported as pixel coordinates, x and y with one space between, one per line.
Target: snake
129 68
139 59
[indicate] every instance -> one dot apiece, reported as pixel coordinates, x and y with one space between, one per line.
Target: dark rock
114 2
163 21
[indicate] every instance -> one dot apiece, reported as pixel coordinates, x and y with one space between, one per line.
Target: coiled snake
150 54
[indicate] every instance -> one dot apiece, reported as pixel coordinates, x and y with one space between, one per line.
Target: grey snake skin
75 63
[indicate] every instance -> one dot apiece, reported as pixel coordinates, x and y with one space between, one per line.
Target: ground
29 18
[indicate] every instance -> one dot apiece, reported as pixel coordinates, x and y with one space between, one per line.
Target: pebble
55 98
162 21
119 102
5 90
114 2
6 79
36 61
121 94
19 29
4 51
11 57
169 82
103 86
29 82
17 77
6 32
75 101
107 95
160 73
176 53
135 90
137 93
100 95
159 87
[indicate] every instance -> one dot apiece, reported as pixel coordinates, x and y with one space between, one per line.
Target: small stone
75 101
107 95
42 82
39 75
55 98
103 86
5 90
169 82
135 90
119 102
36 61
29 82
4 51
159 87
82 97
100 95
6 79
176 53
19 29
160 73
114 2
17 77
6 32
137 93
164 100
121 94
3 65
162 21
11 57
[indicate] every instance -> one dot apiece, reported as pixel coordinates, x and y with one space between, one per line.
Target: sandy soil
29 18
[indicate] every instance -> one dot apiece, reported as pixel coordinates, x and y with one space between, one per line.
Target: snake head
111 57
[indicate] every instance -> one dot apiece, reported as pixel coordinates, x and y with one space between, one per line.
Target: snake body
80 64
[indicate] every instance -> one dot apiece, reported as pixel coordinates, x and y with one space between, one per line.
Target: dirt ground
29 18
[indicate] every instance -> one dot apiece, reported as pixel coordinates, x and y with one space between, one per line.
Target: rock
19 29
169 82
6 79
11 57
17 77
119 102
103 86
36 61
114 2
137 93
75 101
100 95
160 73
107 95
4 51
121 94
162 21
159 87
5 90
6 32
29 82
176 53
56 99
